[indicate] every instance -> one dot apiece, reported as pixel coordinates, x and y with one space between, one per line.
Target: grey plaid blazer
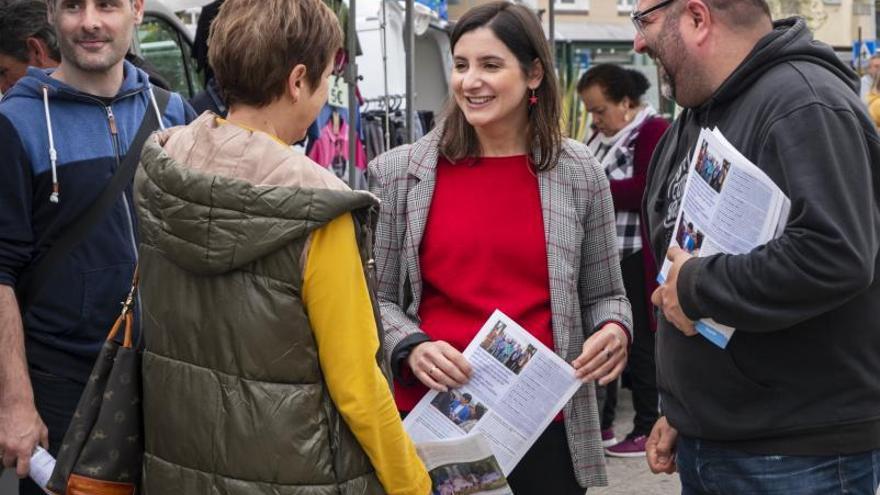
586 289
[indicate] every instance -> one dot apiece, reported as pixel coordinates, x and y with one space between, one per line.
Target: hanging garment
331 151
374 134
340 8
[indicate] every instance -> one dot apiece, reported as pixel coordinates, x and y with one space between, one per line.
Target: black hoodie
802 373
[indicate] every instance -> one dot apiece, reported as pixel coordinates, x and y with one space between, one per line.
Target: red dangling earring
533 97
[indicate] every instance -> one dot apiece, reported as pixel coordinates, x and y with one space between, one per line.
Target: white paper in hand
42 465
517 388
729 205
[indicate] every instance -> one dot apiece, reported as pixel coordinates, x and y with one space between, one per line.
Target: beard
665 79
667 83
670 55
92 62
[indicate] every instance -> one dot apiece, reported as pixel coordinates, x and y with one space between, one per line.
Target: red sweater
483 249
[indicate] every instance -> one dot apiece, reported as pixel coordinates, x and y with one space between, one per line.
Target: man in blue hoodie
792 405
28 40
63 133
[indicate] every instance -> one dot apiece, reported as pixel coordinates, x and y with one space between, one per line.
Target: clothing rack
382 98
351 75
387 104
392 102
385 128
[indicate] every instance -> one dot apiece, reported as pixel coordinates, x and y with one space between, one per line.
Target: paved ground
630 476
625 476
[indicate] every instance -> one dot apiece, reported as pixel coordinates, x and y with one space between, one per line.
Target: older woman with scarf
626 132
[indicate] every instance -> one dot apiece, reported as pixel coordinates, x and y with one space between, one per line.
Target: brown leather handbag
102 452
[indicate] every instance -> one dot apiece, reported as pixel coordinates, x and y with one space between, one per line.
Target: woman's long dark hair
520 30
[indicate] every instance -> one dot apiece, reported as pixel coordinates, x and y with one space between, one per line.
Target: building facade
596 31
836 22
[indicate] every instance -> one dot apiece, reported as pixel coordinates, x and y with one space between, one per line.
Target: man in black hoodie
792 405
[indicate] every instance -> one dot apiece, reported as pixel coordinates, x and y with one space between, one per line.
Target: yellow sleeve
874 110
338 304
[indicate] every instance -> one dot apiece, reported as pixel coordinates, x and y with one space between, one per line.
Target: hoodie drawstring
53 155
55 196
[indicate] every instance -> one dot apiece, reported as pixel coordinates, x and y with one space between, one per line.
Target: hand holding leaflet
439 366
42 465
730 206
517 386
665 297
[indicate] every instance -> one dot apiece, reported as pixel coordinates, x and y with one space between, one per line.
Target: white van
164 41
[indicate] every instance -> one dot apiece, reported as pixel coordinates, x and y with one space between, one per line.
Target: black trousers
56 399
640 374
546 468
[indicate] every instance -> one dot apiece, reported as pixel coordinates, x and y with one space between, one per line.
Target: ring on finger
432 370
608 355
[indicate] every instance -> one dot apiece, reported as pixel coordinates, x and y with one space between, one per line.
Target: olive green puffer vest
234 400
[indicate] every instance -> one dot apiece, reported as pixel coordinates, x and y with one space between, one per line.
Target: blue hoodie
67 323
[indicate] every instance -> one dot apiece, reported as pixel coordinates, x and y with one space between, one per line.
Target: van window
163 47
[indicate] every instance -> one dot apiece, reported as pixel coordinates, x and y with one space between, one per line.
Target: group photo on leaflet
432 247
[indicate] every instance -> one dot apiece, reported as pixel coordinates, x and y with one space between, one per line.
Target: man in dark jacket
210 98
792 405
63 133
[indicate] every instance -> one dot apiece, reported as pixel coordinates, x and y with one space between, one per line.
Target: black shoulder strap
33 283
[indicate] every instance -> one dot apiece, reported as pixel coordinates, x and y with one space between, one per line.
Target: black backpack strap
33 283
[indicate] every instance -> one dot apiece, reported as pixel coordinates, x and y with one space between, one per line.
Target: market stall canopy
594 31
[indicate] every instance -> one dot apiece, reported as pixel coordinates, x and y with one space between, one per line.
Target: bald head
699 43
741 14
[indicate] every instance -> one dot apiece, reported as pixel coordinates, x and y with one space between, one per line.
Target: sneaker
608 438
630 447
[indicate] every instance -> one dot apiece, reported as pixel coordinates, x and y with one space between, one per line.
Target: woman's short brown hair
520 30
255 44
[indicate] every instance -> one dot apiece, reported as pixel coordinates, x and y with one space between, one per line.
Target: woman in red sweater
627 130
495 210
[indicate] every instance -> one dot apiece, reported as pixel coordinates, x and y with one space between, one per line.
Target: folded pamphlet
517 387
730 206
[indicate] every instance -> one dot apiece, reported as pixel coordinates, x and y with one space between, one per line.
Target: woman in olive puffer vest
260 370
